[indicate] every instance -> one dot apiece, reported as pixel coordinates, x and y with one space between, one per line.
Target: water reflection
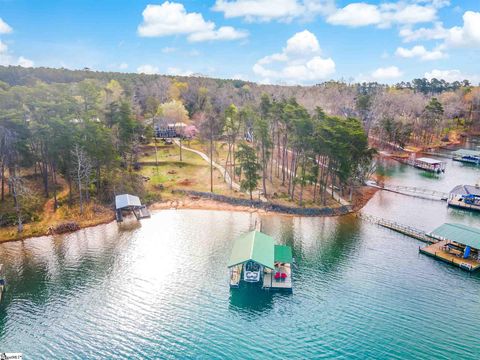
248 300
160 289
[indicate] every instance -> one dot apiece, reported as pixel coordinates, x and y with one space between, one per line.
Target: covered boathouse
429 164
467 156
456 244
127 202
465 197
256 259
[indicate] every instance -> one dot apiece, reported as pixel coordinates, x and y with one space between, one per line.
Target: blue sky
270 41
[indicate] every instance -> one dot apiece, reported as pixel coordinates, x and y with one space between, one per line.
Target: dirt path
48 207
222 170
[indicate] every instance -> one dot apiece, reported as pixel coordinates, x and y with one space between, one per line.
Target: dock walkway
403 229
435 247
412 191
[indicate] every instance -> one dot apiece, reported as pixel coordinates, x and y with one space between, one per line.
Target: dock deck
437 250
463 205
270 283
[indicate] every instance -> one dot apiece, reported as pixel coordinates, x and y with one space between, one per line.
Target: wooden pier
437 247
403 229
412 191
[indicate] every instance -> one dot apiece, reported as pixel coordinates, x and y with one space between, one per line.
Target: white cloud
386 73
419 51
451 75
179 72
356 14
4 27
148 69
267 10
435 3
123 66
25 62
3 47
171 18
383 15
438 32
467 35
299 62
6 58
223 33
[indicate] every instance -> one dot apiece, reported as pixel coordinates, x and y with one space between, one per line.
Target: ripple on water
161 291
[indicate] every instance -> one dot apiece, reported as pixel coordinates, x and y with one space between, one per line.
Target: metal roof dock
274 262
456 244
458 233
127 202
255 246
466 152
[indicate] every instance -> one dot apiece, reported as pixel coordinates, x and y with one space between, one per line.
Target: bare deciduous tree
19 191
81 171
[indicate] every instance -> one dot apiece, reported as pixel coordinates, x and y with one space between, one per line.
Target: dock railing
412 191
403 229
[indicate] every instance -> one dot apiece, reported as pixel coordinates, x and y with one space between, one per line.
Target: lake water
159 289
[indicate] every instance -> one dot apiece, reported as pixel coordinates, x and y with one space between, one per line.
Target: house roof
459 233
283 254
429 160
465 190
127 200
466 152
254 246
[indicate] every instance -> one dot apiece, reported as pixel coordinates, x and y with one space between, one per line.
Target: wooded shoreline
183 202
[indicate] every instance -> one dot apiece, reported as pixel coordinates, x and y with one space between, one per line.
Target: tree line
85 128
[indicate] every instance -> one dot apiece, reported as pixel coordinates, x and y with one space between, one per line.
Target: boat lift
127 202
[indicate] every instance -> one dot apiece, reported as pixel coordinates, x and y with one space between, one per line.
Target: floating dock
467 156
429 164
456 244
256 259
127 202
424 163
441 251
465 197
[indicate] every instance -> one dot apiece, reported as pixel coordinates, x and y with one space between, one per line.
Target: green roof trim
254 246
466 152
459 233
283 254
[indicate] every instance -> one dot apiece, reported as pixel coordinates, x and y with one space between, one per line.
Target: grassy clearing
193 173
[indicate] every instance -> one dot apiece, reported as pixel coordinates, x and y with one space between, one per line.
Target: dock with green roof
274 261
455 244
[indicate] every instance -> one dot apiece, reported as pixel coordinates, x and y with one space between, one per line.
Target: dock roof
255 246
466 190
466 152
459 233
283 254
127 200
429 160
